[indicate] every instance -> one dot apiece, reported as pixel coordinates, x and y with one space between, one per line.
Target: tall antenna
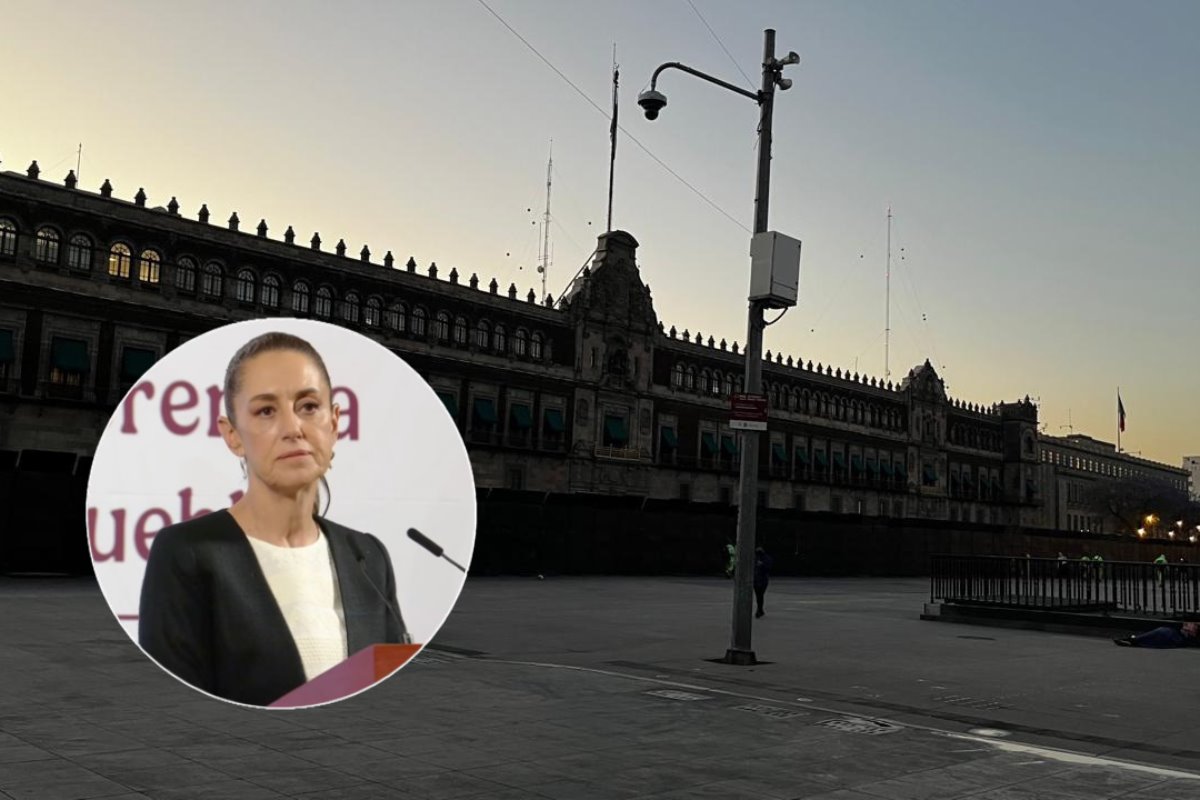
612 135
544 267
78 161
887 325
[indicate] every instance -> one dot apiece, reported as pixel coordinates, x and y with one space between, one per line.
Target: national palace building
585 394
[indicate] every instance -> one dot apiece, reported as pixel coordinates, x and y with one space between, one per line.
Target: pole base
740 658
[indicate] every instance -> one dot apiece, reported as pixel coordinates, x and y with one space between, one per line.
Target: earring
242 461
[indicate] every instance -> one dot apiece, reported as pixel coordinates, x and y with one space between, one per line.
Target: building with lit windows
1072 464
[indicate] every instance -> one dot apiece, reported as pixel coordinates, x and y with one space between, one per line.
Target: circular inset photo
281 513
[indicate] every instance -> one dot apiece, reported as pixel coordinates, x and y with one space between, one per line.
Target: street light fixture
652 102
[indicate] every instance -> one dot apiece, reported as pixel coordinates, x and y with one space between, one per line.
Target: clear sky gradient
1040 159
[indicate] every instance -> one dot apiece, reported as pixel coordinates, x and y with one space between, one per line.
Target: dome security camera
652 102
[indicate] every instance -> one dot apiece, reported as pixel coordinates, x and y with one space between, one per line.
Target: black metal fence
1158 590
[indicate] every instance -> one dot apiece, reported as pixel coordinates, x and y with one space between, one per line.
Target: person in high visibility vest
1160 568
731 559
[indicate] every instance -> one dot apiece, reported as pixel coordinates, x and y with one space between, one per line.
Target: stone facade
588 394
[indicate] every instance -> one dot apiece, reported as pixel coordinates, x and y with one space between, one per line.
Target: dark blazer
208 615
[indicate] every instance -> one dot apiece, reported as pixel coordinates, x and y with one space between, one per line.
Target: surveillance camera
652 102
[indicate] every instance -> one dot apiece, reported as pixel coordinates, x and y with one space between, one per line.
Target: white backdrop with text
401 464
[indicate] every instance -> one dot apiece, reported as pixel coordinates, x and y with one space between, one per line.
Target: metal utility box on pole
774 282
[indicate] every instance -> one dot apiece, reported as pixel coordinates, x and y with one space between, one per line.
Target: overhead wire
749 82
608 116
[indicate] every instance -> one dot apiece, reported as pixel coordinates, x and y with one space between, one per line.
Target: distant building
1072 464
1192 465
587 395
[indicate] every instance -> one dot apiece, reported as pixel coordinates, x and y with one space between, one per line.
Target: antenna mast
887 325
545 265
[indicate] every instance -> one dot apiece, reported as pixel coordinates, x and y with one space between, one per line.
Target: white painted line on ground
1066 756
1076 758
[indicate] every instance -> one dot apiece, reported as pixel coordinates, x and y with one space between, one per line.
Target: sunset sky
1040 159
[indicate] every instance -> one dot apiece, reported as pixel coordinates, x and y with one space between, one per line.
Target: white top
305 585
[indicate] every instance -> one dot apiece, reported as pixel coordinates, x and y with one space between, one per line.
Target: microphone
433 547
362 565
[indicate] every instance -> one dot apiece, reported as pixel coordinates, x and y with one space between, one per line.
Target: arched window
79 253
8 237
520 341
460 331
689 379
212 282
245 286
396 317
500 340
324 305
373 311
350 307
535 347
729 384
149 264
705 378
677 377
270 292
119 257
300 295
185 274
483 335
441 327
418 321
715 387
46 250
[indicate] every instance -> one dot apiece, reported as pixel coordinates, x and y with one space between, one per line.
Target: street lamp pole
740 651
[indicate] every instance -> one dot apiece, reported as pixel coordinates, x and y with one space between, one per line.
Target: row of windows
971 436
484 422
69 365
713 383
209 280
1097 466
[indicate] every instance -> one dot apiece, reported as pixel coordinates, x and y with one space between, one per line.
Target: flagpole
1118 419
612 135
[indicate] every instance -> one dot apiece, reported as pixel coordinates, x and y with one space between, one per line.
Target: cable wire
749 82
608 116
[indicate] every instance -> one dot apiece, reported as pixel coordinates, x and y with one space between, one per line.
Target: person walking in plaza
730 559
762 576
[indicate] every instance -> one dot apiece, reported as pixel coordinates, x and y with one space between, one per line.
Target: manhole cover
775 712
672 694
871 727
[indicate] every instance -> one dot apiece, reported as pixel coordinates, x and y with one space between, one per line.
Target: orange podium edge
363 669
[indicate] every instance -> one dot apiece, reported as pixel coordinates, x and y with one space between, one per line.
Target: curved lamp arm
755 96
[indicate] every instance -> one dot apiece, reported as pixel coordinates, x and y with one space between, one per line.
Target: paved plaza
604 688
